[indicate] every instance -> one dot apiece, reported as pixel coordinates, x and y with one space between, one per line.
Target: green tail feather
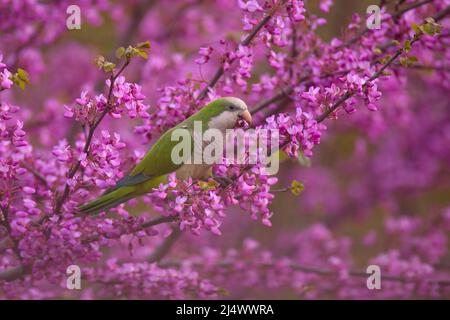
121 194
107 201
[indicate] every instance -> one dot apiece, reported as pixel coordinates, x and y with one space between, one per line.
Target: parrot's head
226 112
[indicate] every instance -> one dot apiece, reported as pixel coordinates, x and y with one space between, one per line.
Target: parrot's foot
223 181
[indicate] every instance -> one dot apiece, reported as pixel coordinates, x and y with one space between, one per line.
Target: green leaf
408 61
120 52
297 187
23 75
431 27
407 46
210 185
396 43
428 29
416 28
109 66
413 59
142 54
385 59
143 45
404 61
20 78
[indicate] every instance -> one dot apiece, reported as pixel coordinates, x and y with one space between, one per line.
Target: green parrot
153 169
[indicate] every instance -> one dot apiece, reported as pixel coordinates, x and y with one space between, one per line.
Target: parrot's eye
231 108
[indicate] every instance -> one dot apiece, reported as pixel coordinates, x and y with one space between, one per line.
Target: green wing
158 160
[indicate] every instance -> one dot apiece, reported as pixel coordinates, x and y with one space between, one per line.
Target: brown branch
178 16
409 8
35 173
393 16
15 273
5 243
163 249
157 221
14 243
137 15
350 94
60 201
357 273
322 272
220 71
438 16
29 42
277 97
345 97
286 91
442 14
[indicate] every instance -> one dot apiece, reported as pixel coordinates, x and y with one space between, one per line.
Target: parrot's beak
247 117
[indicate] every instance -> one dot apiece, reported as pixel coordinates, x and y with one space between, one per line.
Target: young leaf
143 45
297 187
407 46
120 52
142 54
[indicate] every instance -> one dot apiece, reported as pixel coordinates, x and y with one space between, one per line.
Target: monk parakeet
153 169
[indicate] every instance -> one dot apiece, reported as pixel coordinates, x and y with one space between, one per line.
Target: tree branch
393 16
60 201
35 173
323 272
350 94
286 91
358 273
15 273
163 249
220 71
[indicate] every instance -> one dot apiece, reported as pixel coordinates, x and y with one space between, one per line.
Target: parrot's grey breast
194 171
201 170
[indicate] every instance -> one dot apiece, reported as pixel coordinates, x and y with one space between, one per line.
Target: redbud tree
364 123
